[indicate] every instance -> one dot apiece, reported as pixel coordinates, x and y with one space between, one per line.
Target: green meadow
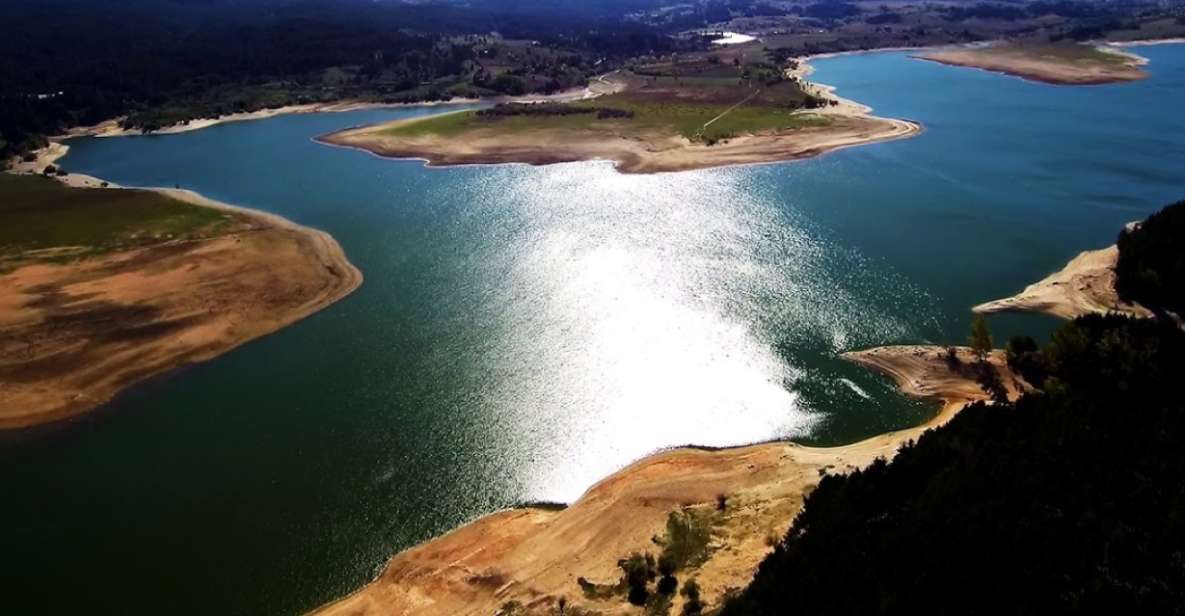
38 213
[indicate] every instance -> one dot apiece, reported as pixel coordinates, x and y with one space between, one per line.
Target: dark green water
524 331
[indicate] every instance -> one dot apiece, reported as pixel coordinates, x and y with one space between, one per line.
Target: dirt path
727 111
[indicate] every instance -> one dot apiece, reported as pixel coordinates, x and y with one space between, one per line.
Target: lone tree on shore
638 573
981 337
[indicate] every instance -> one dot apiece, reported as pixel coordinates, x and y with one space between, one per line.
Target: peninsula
1138 276
1086 285
698 111
1054 63
102 288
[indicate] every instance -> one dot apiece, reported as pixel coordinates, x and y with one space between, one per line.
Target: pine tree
981 337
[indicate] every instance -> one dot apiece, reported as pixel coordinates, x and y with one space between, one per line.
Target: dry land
597 86
101 288
524 561
695 114
1085 286
1064 64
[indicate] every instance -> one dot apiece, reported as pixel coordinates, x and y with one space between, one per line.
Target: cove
523 331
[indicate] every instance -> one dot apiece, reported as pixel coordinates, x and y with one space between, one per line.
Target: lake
524 331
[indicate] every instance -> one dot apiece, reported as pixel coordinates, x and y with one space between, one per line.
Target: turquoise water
524 331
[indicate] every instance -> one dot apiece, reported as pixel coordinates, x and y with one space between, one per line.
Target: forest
1151 267
1070 500
66 63
154 63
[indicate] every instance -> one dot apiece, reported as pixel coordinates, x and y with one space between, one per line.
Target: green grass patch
1063 53
689 531
38 213
748 120
444 125
696 120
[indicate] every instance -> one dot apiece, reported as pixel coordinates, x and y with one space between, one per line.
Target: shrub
509 84
1024 358
981 337
691 603
687 537
667 585
638 571
952 359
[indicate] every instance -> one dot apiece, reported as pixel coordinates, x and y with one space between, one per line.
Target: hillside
1067 501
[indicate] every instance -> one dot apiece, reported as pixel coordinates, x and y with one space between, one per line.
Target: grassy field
701 109
445 125
687 119
1070 53
39 214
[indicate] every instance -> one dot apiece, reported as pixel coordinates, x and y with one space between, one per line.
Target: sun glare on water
629 316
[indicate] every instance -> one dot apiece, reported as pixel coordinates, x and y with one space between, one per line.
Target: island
1054 63
103 287
708 109
711 514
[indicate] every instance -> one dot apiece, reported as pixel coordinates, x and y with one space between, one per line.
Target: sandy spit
1039 69
1086 285
534 556
1141 42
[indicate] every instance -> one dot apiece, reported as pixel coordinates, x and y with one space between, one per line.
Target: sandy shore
1027 64
631 155
1141 42
1085 286
851 124
73 335
534 556
112 127
598 86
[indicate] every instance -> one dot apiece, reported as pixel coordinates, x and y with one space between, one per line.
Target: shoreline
317 248
1037 69
746 151
111 128
285 271
1085 285
534 556
1142 42
852 124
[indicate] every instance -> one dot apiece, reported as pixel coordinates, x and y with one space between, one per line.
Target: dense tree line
1068 501
551 109
1151 267
66 63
